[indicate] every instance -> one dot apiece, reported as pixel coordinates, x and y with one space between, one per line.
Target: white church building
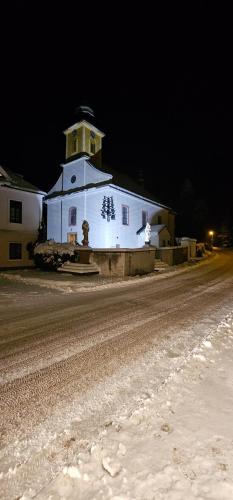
115 207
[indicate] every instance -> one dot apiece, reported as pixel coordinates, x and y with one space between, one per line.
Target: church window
73 179
125 215
72 216
144 217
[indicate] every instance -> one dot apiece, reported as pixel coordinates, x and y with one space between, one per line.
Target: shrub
50 255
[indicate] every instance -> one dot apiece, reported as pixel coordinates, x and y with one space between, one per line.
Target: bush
50 255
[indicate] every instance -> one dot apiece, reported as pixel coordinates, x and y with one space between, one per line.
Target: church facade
116 208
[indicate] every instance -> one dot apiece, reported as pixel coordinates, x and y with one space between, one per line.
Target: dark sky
159 81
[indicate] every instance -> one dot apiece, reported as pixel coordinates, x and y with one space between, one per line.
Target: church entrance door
72 237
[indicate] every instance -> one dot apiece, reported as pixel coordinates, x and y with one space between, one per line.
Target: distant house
20 218
116 208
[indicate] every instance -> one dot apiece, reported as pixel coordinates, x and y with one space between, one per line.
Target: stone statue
85 228
147 233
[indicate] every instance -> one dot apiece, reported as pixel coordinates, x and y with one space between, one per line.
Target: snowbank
177 444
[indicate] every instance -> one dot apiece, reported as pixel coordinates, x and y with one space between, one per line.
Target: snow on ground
72 283
175 444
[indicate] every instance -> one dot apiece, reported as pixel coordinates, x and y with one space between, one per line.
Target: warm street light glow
211 235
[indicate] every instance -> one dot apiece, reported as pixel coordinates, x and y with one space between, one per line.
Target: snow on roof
12 179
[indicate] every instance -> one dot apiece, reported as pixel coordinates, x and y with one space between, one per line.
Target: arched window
93 147
72 216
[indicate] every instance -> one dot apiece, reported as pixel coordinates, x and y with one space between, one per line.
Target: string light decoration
108 210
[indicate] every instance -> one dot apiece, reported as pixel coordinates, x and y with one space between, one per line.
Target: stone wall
124 262
172 255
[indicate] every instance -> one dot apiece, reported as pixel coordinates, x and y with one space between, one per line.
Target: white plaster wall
127 236
73 168
54 220
92 175
31 209
102 233
85 174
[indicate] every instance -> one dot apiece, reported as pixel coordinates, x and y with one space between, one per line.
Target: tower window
92 147
72 216
74 141
16 211
125 215
144 217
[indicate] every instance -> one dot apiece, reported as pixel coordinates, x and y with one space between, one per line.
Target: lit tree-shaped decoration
108 210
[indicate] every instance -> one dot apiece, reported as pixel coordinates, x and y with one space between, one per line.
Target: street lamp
211 234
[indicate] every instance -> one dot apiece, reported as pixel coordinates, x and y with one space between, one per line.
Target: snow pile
176 444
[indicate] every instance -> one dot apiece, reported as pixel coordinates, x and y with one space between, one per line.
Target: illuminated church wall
106 230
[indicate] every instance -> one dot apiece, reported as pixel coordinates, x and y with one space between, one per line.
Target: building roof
16 181
124 181
155 228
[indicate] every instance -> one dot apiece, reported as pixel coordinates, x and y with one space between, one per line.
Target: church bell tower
83 138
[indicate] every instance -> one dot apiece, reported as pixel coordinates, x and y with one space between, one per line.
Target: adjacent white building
116 208
20 218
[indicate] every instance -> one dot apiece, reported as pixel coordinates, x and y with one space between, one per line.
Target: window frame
70 216
122 216
74 142
16 214
92 145
19 245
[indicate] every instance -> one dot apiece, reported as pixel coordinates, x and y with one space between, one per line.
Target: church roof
13 180
126 182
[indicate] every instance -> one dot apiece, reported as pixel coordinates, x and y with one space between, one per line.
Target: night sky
159 82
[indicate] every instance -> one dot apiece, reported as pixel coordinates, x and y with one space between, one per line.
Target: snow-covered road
94 386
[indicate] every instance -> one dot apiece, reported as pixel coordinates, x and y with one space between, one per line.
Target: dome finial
84 111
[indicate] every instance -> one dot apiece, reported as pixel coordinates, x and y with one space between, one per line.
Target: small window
125 215
144 217
15 251
72 216
73 179
16 211
92 147
159 219
74 141
164 243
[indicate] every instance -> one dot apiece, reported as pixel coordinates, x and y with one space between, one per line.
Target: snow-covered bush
51 255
